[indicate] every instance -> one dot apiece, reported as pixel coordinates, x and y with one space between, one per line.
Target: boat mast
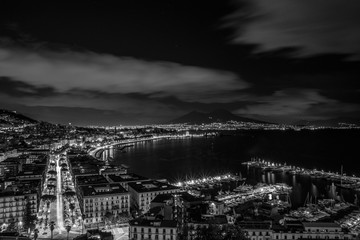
306 200
341 175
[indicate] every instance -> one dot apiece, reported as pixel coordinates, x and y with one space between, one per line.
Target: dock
344 181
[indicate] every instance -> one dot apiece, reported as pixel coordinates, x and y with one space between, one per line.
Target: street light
20 224
36 231
68 228
83 223
52 227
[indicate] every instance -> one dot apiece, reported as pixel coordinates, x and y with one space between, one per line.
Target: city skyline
143 63
180 120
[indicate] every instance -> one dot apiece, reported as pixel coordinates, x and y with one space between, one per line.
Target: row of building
111 190
21 183
294 230
175 215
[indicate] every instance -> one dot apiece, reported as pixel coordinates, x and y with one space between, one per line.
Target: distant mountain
11 118
219 115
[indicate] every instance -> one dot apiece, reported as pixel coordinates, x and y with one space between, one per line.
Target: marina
341 179
202 182
272 200
258 192
351 221
238 195
323 210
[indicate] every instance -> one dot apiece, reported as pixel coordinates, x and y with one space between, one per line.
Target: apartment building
13 205
142 193
98 200
296 230
153 229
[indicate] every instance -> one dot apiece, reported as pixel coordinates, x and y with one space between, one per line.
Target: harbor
266 201
340 179
221 190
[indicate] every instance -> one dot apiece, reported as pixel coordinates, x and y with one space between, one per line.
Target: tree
212 232
29 217
185 231
234 232
72 207
48 197
68 194
122 217
108 217
11 227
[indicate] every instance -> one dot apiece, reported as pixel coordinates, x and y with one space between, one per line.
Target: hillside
13 119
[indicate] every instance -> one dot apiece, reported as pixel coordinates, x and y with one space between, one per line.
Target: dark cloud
154 107
316 27
290 105
103 72
184 56
331 75
20 89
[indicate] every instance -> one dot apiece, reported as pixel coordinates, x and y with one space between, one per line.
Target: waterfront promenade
96 149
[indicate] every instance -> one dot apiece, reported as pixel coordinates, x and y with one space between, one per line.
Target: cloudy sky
152 61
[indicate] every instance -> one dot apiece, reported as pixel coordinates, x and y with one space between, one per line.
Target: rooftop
7 193
162 198
212 219
154 211
129 177
32 169
153 223
91 180
321 224
36 150
186 197
84 171
103 189
151 186
255 224
9 161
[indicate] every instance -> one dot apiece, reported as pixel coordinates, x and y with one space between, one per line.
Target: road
54 211
59 201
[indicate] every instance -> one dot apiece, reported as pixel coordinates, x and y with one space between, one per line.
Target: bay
181 159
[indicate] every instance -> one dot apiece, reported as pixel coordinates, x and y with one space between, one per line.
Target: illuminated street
48 207
60 225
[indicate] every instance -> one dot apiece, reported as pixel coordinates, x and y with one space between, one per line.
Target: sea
196 157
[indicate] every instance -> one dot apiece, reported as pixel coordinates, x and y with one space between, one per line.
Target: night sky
138 62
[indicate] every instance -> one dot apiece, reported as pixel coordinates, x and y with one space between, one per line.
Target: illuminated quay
350 182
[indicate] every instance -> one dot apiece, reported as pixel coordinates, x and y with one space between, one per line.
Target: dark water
195 157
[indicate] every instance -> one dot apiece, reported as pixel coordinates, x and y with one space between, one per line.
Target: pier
342 180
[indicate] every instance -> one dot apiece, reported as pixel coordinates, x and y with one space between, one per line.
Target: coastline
95 151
